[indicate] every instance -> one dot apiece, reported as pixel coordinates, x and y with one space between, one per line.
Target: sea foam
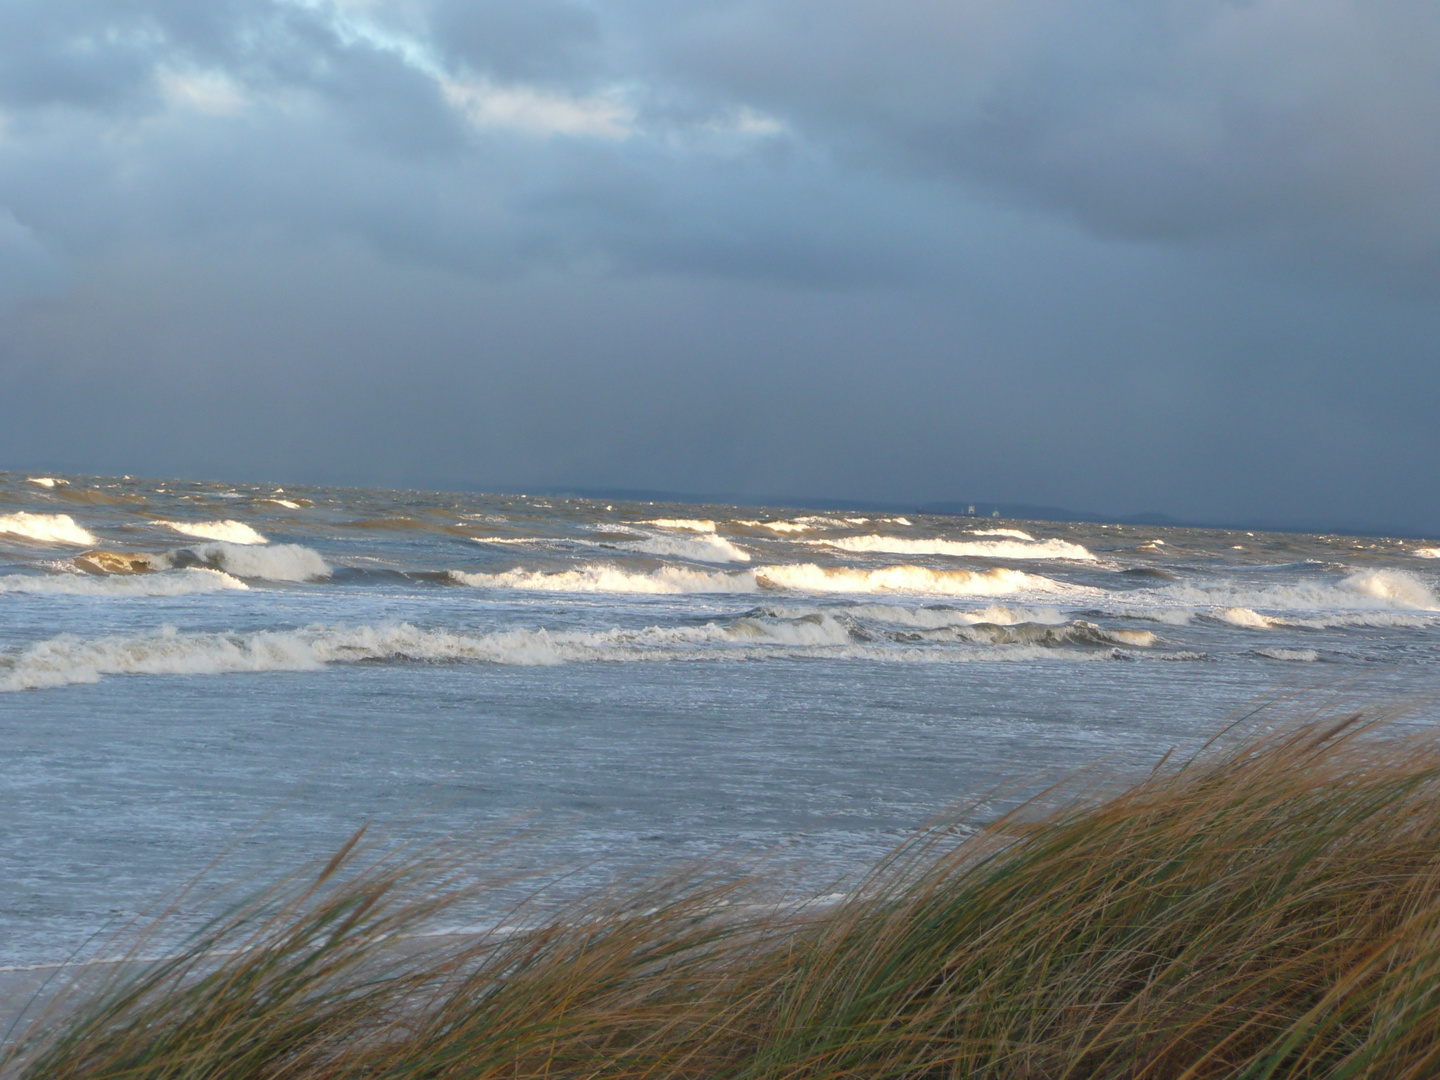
708 549
795 577
46 529
1375 590
998 581
69 659
171 583
229 531
600 578
274 562
700 525
991 549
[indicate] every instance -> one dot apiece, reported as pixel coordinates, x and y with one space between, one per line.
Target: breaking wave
1014 534
932 618
45 481
1428 552
797 577
172 583
1368 590
1078 632
276 562
46 528
228 531
69 659
119 562
776 526
598 578
700 525
992 549
709 549
807 577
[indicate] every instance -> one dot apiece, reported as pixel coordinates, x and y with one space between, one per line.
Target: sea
205 682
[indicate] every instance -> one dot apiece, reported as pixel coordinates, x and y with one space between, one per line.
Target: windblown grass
1269 909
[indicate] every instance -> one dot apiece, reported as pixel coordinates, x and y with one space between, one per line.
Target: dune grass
1268 908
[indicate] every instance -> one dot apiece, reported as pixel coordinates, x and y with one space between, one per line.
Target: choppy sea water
191 671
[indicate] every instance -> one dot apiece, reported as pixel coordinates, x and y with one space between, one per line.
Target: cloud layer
1178 256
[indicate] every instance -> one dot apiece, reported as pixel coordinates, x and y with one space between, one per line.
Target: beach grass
1269 907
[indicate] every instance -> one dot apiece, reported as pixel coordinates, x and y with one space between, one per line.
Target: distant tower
971 511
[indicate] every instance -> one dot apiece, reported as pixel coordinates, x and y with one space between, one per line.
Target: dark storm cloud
1177 256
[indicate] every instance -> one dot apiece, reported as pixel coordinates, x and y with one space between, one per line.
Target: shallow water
198 670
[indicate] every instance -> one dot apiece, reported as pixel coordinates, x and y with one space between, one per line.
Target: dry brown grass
1268 909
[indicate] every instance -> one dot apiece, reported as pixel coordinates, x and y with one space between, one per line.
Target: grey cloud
1122 256
1144 120
542 40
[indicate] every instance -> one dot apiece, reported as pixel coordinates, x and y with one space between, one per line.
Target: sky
1173 256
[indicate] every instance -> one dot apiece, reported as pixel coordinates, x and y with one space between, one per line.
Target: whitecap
1014 534
795 577
600 578
46 528
808 577
776 526
992 549
1361 591
276 562
700 525
68 659
229 531
45 481
1243 616
709 549
172 583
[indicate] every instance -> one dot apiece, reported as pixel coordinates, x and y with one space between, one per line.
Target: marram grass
1268 909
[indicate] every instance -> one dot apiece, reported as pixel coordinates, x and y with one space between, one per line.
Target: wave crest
173 583
228 531
989 549
610 579
699 525
709 549
46 529
275 562
998 581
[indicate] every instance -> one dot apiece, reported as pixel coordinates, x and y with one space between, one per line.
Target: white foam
1428 552
45 481
687 524
807 577
1014 534
776 526
68 659
229 531
283 502
1369 590
1243 616
600 578
708 549
171 583
992 549
934 618
46 528
795 577
1079 632
277 562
